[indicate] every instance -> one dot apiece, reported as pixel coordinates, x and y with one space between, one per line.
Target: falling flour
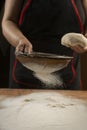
50 80
46 74
43 111
44 66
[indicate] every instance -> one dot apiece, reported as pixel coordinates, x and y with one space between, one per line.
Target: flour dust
43 111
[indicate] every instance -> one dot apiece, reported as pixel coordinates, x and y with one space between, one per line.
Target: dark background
4 54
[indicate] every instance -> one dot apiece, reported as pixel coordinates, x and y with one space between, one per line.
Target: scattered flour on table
43 111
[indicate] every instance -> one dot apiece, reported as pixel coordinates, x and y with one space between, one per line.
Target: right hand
24 46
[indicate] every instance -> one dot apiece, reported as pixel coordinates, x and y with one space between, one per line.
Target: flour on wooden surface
43 111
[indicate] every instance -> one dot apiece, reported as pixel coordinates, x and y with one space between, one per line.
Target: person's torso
44 22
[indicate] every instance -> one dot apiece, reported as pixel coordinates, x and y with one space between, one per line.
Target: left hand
78 48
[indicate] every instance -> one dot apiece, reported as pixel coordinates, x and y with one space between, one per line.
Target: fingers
79 49
28 49
20 48
24 47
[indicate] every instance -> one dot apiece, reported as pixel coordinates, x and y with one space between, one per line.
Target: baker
39 25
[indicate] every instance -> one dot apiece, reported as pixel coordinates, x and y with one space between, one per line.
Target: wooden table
68 115
17 92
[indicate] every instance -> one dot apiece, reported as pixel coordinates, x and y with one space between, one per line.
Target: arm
10 26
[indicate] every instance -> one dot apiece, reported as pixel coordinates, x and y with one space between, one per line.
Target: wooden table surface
18 92
49 111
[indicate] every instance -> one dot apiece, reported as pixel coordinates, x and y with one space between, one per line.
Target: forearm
12 32
10 21
10 26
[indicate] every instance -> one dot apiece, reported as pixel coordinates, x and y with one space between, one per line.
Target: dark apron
44 23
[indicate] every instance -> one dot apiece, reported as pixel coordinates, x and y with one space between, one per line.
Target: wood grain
18 92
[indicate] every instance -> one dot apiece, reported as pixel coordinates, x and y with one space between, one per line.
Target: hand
78 48
24 46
